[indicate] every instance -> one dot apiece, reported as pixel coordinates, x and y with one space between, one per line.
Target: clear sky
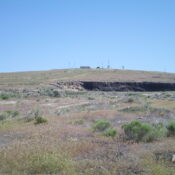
55 34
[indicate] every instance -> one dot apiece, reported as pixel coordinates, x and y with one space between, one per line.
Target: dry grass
68 145
25 158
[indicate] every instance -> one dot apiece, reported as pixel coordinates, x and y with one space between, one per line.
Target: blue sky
55 34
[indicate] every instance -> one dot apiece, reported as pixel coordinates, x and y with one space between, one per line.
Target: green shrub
3 116
171 128
130 100
55 93
90 98
40 120
4 96
12 113
101 125
8 114
159 131
138 131
111 132
49 92
7 95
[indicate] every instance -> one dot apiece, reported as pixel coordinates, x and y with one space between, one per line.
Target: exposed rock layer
128 86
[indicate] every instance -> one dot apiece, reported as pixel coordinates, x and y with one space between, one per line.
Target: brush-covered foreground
87 133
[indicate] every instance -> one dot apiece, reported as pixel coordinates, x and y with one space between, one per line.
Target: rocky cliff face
128 86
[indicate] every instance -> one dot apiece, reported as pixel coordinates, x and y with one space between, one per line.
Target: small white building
85 67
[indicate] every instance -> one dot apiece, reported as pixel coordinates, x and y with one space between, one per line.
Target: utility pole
108 65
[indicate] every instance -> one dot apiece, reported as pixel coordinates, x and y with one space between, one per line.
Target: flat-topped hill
39 78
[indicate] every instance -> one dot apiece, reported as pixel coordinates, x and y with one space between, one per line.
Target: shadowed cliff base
127 86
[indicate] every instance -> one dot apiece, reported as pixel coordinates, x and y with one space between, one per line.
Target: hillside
39 78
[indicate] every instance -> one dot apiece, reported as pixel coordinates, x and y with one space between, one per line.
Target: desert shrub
12 113
8 114
7 95
131 94
130 100
160 111
36 113
32 115
111 132
40 120
3 116
142 108
101 125
68 93
90 98
62 111
35 160
159 131
134 109
49 92
138 131
55 93
78 122
4 96
171 128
